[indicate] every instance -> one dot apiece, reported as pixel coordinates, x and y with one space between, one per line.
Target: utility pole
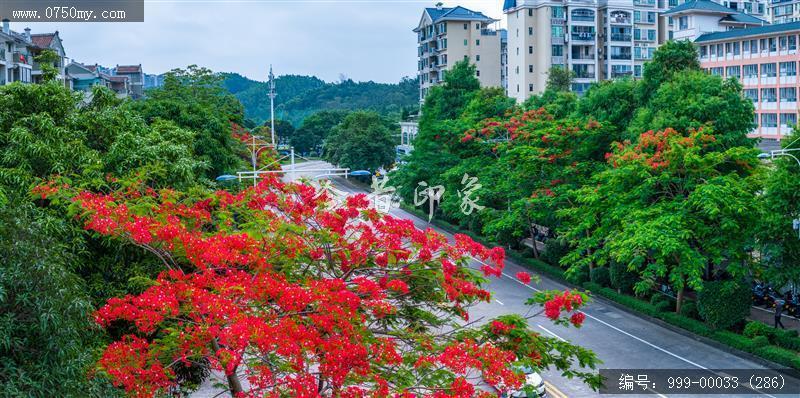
272 104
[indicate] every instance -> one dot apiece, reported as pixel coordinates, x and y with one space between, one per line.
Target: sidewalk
759 313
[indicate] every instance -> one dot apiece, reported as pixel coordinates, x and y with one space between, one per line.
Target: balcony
583 36
620 37
557 40
557 21
488 32
583 18
622 56
557 60
619 20
651 3
584 75
2 56
20 58
616 74
582 57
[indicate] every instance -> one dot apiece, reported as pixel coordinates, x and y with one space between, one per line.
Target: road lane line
499 302
548 331
554 390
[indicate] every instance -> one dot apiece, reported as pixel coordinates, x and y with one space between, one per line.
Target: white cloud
365 40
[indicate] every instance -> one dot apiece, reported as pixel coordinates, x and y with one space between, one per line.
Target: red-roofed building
49 41
135 76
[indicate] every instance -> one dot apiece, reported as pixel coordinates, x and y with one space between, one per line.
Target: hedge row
755 346
759 347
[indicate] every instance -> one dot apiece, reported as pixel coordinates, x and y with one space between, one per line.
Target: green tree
315 129
671 208
778 241
47 60
361 142
47 336
194 99
672 58
284 130
693 99
559 79
610 102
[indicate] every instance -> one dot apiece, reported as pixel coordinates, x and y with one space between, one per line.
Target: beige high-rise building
595 39
448 35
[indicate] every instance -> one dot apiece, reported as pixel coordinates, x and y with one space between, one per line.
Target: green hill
300 96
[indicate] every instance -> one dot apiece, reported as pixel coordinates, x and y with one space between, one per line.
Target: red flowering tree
671 207
286 292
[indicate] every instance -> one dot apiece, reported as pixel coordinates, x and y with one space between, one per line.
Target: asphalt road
620 339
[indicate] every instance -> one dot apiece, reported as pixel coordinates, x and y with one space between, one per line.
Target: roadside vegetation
649 191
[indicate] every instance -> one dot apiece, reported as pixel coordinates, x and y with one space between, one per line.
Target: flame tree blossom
287 293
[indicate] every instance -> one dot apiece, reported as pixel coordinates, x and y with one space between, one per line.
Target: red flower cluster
277 272
566 302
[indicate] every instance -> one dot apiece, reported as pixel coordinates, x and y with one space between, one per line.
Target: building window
751 94
466 26
768 70
753 46
477 58
751 71
558 50
769 120
530 68
769 95
517 50
683 22
530 87
530 31
788 119
792 43
788 94
582 14
557 12
557 31
733 71
478 42
517 87
530 49
788 68
466 43
716 71
783 43
477 73
736 48
637 70
703 49
773 45
746 46
530 12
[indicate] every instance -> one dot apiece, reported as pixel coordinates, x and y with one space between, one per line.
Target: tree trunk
234 384
532 231
679 300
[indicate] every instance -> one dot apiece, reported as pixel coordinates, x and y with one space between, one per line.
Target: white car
534 380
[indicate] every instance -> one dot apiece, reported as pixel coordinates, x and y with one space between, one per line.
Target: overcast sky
363 40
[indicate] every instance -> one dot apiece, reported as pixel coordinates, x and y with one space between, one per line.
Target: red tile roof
129 68
90 67
42 40
118 78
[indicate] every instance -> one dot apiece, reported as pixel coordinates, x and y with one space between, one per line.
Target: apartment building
782 11
765 60
448 35
595 39
85 77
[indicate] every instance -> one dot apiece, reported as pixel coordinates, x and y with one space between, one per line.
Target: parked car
532 379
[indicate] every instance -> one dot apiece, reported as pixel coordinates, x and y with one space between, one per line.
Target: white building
692 19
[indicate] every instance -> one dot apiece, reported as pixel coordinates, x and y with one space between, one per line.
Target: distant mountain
300 96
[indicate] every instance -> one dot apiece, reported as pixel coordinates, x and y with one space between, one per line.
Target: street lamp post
272 104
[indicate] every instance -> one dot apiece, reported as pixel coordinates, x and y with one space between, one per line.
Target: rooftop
701 5
129 68
42 40
456 13
754 31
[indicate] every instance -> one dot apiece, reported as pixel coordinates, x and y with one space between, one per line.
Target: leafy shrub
689 310
683 322
755 328
578 275
734 340
786 341
657 298
600 276
779 355
554 249
723 304
663 306
621 279
760 341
